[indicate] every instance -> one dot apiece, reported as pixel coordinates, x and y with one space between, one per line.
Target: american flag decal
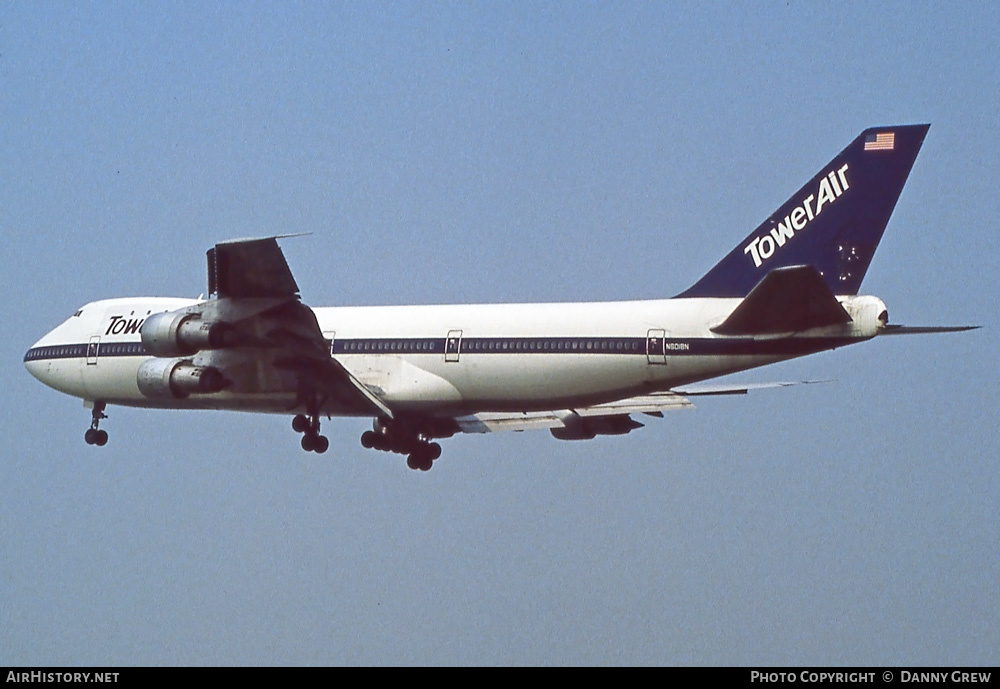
880 142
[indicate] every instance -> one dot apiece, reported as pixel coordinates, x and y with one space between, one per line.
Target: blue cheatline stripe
639 346
468 346
78 351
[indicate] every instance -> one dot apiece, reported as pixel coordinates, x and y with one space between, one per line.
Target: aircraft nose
35 363
55 365
57 359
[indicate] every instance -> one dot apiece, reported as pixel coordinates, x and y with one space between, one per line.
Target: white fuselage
462 358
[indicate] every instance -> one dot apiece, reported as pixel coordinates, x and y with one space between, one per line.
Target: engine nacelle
176 333
580 428
177 379
868 315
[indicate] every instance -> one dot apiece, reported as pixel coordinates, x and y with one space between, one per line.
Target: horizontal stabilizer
925 329
787 300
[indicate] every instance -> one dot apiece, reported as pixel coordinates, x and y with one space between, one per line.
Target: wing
611 418
258 297
249 268
321 378
582 423
702 390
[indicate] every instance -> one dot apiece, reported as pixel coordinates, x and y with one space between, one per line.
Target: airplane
424 373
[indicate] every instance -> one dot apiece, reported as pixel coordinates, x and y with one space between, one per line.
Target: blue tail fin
833 223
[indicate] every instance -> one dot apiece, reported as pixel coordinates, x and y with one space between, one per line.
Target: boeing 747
424 373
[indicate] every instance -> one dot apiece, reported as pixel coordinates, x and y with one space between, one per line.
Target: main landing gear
388 435
308 426
95 436
420 452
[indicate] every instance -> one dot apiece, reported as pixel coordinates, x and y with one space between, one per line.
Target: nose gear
95 436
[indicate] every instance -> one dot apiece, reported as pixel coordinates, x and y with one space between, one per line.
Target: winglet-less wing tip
925 329
245 240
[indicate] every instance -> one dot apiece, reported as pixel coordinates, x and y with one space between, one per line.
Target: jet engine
177 379
580 428
175 333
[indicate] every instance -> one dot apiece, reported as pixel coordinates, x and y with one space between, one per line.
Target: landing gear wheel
95 436
309 442
312 442
308 425
402 438
421 458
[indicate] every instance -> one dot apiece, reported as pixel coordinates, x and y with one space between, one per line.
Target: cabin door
656 346
93 349
453 345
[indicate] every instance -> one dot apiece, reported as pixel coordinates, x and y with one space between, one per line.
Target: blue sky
495 152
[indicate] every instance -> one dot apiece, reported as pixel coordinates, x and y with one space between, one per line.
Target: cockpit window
77 313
